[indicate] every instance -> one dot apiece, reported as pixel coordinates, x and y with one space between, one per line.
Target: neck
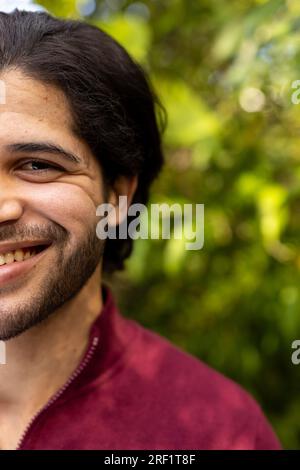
39 361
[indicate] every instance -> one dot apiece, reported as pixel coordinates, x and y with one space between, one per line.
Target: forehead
33 111
32 98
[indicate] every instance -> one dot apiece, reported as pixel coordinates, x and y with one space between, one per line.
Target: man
78 129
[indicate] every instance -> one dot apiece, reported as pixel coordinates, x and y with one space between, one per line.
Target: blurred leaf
131 31
189 119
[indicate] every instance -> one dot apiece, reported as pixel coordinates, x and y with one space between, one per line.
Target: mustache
17 233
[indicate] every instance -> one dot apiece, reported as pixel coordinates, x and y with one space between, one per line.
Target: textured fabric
136 390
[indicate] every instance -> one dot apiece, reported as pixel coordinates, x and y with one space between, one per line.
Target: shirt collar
110 335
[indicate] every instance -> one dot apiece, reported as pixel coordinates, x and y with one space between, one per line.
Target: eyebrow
46 147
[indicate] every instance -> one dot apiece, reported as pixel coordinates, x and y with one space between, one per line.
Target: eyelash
42 162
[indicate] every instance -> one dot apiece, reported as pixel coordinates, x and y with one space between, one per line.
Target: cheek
70 206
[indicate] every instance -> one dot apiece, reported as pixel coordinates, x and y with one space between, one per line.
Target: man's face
46 199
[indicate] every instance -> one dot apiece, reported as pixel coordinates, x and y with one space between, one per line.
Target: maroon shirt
136 390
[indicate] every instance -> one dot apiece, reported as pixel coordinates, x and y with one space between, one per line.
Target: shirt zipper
60 392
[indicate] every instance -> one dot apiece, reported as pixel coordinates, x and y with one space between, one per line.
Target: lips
17 259
6 247
20 254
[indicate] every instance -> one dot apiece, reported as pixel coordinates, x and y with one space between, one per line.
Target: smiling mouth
21 254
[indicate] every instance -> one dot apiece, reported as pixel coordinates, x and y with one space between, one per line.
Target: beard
67 274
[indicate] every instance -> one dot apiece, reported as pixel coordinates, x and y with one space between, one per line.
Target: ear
123 186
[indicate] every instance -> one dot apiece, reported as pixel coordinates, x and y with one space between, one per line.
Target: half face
50 186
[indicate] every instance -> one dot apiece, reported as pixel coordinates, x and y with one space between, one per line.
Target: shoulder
183 383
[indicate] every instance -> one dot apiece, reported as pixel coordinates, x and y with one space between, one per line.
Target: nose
11 207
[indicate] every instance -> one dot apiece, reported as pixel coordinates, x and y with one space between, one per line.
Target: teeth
17 255
9 258
27 255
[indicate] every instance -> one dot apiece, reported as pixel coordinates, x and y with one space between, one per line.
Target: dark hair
112 102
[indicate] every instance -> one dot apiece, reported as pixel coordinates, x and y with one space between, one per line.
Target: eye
38 171
38 166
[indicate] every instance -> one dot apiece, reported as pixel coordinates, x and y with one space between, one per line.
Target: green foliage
224 71
67 8
125 29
